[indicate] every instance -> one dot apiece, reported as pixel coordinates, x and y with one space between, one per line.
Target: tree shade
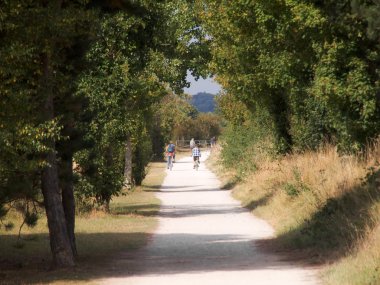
79 82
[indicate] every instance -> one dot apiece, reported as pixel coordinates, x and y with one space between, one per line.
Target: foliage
118 93
142 156
232 109
313 67
169 114
246 137
79 79
175 118
29 52
243 146
203 126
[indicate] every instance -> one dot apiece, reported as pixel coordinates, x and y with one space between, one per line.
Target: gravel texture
205 237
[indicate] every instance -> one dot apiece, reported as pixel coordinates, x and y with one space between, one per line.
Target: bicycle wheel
171 163
196 165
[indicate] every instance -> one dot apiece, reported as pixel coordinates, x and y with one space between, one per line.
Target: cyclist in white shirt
196 154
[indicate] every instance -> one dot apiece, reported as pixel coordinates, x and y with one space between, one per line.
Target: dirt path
205 237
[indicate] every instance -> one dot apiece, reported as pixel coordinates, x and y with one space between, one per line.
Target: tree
39 39
171 113
80 79
203 126
308 64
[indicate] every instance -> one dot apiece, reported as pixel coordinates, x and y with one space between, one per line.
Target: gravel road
204 238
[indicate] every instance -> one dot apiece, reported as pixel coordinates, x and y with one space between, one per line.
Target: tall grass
321 202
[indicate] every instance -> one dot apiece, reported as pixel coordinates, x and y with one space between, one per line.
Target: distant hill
204 102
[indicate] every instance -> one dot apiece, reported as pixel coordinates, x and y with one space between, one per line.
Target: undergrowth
323 203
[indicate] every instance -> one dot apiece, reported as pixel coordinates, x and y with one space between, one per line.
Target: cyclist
170 154
196 154
212 142
192 143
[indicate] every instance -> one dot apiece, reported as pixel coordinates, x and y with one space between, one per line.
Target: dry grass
99 236
361 266
303 182
323 203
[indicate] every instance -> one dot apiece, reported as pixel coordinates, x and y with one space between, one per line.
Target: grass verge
100 237
325 209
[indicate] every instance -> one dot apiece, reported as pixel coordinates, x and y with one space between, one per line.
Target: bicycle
196 164
170 162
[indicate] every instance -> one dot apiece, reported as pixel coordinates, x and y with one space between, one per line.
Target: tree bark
128 164
68 199
59 241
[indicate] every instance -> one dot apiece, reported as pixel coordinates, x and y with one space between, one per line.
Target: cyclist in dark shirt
170 154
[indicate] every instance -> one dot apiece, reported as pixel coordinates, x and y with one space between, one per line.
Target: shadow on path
222 255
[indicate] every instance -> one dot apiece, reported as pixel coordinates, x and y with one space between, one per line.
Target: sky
202 85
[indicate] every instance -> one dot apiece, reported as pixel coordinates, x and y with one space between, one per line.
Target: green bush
141 157
243 146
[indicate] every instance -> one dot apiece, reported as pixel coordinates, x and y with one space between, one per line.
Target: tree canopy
310 67
91 90
79 84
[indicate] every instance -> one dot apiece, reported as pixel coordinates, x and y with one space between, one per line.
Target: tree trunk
128 165
68 199
279 111
59 241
